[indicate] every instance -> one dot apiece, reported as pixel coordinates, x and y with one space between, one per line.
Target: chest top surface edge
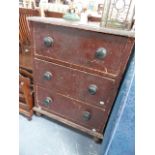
78 25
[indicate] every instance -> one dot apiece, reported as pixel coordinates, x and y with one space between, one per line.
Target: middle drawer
74 84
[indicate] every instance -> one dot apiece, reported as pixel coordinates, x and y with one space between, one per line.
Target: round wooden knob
48 41
47 76
47 101
101 53
86 116
92 89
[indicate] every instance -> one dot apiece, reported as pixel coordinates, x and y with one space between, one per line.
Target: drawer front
89 49
89 89
86 116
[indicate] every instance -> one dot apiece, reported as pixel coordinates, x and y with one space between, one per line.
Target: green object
71 17
47 101
101 53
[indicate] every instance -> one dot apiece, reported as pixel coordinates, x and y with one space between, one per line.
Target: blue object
71 17
119 137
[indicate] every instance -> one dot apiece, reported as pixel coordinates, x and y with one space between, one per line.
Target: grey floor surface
42 136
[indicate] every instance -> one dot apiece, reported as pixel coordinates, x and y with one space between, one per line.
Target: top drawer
88 49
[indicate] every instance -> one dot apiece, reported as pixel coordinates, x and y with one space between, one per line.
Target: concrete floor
43 136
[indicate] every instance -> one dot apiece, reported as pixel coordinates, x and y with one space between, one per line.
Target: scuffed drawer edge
69 123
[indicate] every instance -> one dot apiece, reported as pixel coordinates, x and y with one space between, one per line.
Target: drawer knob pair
48 41
101 53
86 116
47 101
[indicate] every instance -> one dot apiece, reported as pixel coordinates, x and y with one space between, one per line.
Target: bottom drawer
90 117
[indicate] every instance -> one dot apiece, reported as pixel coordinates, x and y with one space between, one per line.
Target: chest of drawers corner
77 72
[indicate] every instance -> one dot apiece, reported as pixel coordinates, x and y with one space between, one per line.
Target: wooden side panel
24 32
25 59
25 93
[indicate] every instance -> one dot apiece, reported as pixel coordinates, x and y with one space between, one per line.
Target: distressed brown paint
73 67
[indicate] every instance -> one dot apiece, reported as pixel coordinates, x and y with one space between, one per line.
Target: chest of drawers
77 72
